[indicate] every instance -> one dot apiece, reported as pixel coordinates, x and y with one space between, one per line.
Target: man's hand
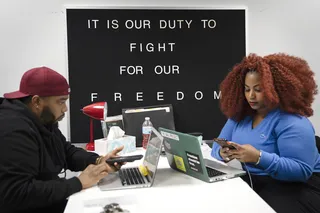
244 153
92 174
112 154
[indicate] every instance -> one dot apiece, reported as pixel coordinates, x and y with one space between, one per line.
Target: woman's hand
224 153
244 153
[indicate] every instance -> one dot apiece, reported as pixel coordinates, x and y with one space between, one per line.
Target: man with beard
33 151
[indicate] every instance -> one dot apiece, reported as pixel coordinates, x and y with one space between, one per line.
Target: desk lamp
96 111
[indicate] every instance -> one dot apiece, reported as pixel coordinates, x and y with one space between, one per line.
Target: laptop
130 177
184 154
160 116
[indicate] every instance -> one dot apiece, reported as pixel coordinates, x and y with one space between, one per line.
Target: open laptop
184 154
160 116
130 177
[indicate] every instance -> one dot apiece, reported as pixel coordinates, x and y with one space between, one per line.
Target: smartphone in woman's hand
223 143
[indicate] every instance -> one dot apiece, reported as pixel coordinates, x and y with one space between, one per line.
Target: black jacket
31 157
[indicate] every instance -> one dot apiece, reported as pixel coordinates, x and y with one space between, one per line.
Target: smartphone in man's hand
123 159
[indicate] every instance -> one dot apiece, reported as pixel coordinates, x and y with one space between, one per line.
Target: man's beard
48 118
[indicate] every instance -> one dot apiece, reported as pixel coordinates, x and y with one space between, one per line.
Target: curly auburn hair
286 81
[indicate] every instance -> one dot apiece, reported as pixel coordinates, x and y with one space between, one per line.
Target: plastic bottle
146 131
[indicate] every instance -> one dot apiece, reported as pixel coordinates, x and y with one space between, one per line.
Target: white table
173 192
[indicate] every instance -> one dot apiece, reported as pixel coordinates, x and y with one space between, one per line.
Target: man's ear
36 102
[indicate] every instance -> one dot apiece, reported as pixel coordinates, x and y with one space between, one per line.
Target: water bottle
146 131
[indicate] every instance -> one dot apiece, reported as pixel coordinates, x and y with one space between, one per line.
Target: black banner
143 57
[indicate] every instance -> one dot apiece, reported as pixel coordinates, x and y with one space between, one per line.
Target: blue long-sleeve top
287 143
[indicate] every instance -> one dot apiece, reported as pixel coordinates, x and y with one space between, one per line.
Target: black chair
318 142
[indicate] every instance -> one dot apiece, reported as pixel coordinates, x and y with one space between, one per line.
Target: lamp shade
98 111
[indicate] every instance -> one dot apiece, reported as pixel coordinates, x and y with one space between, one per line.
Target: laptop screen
160 116
153 152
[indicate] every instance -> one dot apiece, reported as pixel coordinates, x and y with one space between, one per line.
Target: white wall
33 33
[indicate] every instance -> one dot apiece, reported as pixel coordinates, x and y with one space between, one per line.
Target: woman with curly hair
267 100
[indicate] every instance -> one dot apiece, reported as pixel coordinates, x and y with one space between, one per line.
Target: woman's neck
262 113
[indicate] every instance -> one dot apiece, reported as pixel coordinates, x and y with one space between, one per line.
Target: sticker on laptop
194 162
170 135
179 163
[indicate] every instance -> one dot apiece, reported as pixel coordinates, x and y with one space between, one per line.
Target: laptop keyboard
131 176
213 172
